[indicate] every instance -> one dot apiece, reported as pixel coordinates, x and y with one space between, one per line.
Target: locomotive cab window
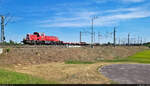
36 33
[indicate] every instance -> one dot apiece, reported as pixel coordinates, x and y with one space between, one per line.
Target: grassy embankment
141 57
8 77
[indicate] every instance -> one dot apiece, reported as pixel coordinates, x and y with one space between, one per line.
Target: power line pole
119 42
99 37
128 39
141 41
134 41
138 40
114 36
92 30
92 34
2 29
94 37
80 36
3 25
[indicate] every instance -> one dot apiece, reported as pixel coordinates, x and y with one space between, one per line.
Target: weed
117 57
100 59
113 82
36 53
8 50
8 77
78 62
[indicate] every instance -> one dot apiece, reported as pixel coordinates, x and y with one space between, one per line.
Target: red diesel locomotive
41 39
37 38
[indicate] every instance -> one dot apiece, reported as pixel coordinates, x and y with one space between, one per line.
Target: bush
78 62
8 50
10 43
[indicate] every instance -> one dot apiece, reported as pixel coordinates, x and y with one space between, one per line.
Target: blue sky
65 18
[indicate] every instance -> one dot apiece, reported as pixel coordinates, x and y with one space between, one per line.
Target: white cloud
132 15
114 19
80 19
124 10
84 19
124 1
108 17
65 24
134 1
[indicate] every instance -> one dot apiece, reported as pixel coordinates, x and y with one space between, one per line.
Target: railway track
40 46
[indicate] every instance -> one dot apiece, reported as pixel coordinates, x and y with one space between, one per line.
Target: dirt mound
27 56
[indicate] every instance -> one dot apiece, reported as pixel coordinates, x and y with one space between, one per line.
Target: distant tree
147 44
11 42
109 43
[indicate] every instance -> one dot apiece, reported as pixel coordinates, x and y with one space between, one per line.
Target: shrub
8 50
78 62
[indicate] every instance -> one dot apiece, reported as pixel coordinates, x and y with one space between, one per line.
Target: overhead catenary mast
80 36
4 21
2 28
94 37
114 36
128 39
92 32
99 37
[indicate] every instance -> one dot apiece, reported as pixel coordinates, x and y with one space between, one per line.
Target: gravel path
128 73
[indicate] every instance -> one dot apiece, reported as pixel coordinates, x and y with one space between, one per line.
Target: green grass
113 82
8 77
141 57
78 62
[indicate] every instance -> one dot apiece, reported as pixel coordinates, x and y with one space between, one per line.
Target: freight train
41 39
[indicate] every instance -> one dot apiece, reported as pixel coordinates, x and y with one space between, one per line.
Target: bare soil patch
66 73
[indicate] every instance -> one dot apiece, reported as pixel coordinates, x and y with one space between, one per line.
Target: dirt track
128 73
66 73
